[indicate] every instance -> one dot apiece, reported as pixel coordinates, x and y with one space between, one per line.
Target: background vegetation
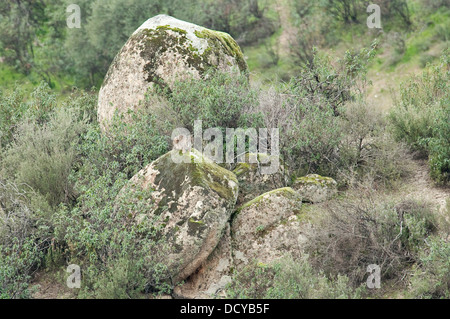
360 105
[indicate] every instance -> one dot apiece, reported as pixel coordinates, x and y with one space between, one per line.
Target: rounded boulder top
160 51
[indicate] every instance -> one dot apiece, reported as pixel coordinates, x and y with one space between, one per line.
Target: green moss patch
315 179
217 38
205 174
285 191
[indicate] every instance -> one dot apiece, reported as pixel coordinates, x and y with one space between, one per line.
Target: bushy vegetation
120 257
24 236
328 127
370 230
34 36
421 117
62 176
315 100
220 100
289 278
431 279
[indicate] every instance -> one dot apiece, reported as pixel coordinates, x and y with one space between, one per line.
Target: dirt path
287 30
50 287
422 186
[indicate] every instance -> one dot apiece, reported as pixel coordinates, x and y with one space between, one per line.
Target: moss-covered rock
314 188
160 51
213 274
267 227
191 203
252 182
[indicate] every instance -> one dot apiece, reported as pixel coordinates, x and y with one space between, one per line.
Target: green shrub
296 279
36 161
442 31
421 117
220 100
326 125
124 149
425 59
42 156
315 99
349 236
41 103
121 279
12 108
289 279
119 257
311 143
431 279
18 263
439 146
251 283
70 174
366 151
24 236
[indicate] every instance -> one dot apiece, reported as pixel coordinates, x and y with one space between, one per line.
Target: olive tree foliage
107 24
19 23
345 10
105 27
31 36
352 11
34 35
309 24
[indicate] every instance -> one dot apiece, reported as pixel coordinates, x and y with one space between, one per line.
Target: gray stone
266 228
210 279
191 202
160 51
252 182
314 188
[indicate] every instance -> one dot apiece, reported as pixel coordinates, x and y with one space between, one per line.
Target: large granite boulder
159 51
267 227
314 188
252 182
211 278
191 203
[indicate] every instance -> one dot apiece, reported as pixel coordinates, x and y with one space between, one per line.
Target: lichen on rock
252 182
193 201
267 227
210 278
161 51
315 188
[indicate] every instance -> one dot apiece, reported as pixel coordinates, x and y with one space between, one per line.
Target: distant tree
308 24
106 25
351 11
345 10
431 5
244 20
392 10
19 23
34 34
